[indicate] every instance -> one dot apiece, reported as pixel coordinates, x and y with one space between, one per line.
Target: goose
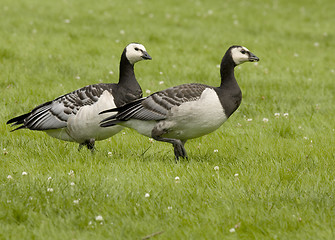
74 116
187 111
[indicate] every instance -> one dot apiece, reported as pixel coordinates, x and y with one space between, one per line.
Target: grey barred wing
157 105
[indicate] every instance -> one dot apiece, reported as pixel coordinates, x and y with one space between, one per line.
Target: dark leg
90 144
178 146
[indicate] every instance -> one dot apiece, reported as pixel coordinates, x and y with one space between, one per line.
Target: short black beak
146 56
253 57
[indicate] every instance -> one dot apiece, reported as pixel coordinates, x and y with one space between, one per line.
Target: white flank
85 124
189 120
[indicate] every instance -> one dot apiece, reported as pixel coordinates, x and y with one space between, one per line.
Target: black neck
227 71
127 77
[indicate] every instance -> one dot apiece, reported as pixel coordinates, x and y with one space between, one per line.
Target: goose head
136 52
241 54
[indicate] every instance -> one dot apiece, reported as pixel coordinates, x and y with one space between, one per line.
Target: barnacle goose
74 116
188 111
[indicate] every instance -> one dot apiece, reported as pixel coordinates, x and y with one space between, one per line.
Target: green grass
276 179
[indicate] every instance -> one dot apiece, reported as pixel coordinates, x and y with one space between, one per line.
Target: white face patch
134 52
240 55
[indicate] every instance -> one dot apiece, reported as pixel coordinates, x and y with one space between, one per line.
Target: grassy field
267 173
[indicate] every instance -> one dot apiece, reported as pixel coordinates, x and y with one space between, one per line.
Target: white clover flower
9 177
265 120
77 77
216 150
170 207
49 178
277 114
67 20
99 218
147 195
161 73
306 138
111 72
161 82
76 201
176 179
236 174
72 184
285 115
296 55
147 91
249 120
151 140
232 230
216 168
71 173
110 154
50 190
24 173
316 44
122 32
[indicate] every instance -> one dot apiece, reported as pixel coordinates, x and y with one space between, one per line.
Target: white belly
85 124
196 118
189 120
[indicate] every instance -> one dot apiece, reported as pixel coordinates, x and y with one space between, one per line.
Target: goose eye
137 49
243 52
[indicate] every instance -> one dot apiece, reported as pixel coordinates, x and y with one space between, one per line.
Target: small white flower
110 154
71 173
161 82
299 127
122 32
210 12
218 66
216 150
67 21
265 120
24 173
76 201
236 174
72 184
9 201
249 120
296 55
255 64
50 190
177 179
332 71
90 223
77 77
216 168
147 195
111 72
117 40
161 73
306 138
147 91
277 114
232 230
316 44
49 178
30 198
285 115
151 140
169 207
9 177
99 218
